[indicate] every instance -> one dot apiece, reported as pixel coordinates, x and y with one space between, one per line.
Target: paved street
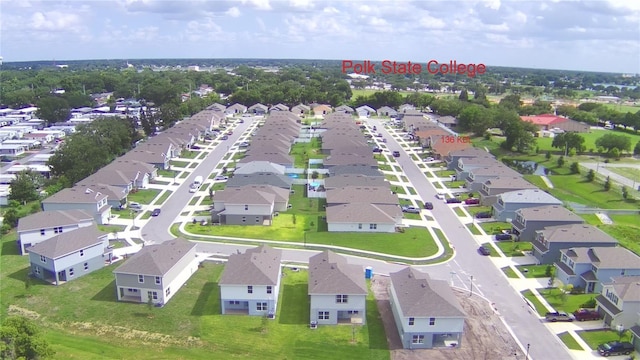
601 168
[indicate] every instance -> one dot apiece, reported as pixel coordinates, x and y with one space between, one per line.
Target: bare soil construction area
485 336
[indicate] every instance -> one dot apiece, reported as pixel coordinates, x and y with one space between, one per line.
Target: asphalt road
156 230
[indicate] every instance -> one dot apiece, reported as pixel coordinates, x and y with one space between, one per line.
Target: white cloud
258 4
429 22
520 17
261 24
54 21
330 10
233 12
492 4
301 4
578 29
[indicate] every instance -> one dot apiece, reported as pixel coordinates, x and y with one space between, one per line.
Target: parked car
586 315
428 206
221 177
472 201
484 250
454 201
224 137
396 154
502 237
559 316
134 205
195 147
155 212
615 348
243 144
440 196
483 215
241 121
429 159
229 132
374 128
411 209
377 150
378 135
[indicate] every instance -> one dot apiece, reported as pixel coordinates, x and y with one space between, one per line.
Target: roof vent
88 191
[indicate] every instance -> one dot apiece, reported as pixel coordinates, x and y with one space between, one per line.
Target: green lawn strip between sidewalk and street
569 341
164 197
459 212
507 270
539 308
474 230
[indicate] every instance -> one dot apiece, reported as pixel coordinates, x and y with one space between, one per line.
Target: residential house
478 177
387 111
406 107
529 220
635 334
466 165
258 109
249 204
493 187
452 157
300 109
505 208
426 311
448 121
235 109
259 167
217 107
340 181
250 282
441 149
321 110
587 267
337 290
279 107
38 227
80 198
70 255
544 121
619 302
357 169
365 111
345 109
362 209
156 272
549 241
260 178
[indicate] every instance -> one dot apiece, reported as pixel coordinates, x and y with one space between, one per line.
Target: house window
250 289
36 270
246 207
342 299
412 321
417 339
81 252
141 279
244 219
42 232
71 272
152 295
323 315
594 269
86 266
158 280
261 306
257 220
564 258
234 302
353 312
57 230
432 321
132 290
359 226
43 259
269 289
373 226
167 292
622 272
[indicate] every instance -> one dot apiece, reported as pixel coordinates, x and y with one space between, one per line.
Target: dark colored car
155 212
428 206
502 237
615 348
396 154
472 201
586 315
483 250
453 201
195 147
377 150
483 215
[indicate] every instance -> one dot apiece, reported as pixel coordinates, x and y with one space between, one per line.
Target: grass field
569 341
514 248
459 212
78 320
628 172
544 143
180 164
495 227
474 230
572 302
534 271
366 92
623 108
507 270
596 337
143 196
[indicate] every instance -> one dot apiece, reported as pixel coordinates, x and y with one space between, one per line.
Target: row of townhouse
583 255
259 188
324 109
358 197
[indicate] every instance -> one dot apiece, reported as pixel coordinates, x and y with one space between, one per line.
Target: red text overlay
368 67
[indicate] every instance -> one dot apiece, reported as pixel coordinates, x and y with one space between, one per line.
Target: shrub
591 175
576 290
561 161
625 192
615 153
572 152
575 169
607 184
548 155
591 303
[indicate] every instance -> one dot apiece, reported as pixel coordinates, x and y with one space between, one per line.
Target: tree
511 102
10 217
147 121
567 141
548 155
574 168
615 153
24 187
636 149
464 96
53 109
625 193
607 184
591 175
561 161
611 141
21 339
476 118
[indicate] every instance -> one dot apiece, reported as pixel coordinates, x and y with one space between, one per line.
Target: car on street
615 348
484 250
502 237
155 212
374 128
472 201
411 209
440 196
377 150
224 137
241 121
378 135
483 215
586 315
559 316
428 205
396 154
453 201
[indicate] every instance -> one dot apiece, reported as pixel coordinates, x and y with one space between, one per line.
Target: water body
618 86
528 167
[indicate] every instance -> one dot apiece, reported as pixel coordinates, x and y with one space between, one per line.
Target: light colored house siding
91 208
32 237
71 266
349 227
179 274
328 303
240 293
239 209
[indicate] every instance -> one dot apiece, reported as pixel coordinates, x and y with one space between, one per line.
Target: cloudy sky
593 35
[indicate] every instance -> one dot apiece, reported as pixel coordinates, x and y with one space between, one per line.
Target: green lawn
444 173
575 189
384 167
569 341
189 154
474 230
623 108
544 143
495 227
166 173
77 319
628 172
143 196
412 216
164 197
454 184
123 214
437 185
572 302
539 308
111 228
459 212
411 190
180 164
146 215
509 272
597 337
194 200
473 210
514 248
303 151
218 186
184 175
534 271
390 177
399 190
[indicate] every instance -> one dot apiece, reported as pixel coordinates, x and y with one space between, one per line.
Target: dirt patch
485 336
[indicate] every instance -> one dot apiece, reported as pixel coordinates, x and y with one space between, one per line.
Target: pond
527 167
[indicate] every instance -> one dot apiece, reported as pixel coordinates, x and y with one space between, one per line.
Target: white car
440 196
221 177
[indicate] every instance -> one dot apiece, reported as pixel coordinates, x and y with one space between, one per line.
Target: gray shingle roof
49 219
529 196
627 287
420 296
257 266
361 194
355 169
353 179
581 233
330 273
261 178
156 260
69 242
509 182
76 194
615 257
550 213
363 213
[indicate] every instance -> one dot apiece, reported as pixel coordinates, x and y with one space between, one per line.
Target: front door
591 286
